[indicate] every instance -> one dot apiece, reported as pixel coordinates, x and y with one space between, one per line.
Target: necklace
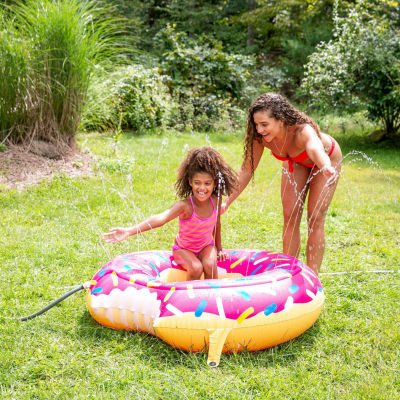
280 151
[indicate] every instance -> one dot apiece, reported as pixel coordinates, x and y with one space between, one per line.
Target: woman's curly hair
280 109
204 159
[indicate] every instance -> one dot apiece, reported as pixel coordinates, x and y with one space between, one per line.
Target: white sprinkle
289 303
174 310
220 306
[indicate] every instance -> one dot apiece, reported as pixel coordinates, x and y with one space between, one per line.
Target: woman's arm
309 140
244 175
155 221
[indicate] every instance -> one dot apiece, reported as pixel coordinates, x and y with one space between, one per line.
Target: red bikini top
299 159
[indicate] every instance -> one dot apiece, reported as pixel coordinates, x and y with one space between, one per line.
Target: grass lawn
50 240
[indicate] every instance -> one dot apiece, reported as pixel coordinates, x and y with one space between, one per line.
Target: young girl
203 177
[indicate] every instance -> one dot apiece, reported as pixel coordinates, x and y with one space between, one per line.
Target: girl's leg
319 199
188 260
208 257
293 193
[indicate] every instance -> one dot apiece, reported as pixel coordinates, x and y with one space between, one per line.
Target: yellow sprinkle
114 278
169 294
131 280
93 282
153 284
237 262
245 314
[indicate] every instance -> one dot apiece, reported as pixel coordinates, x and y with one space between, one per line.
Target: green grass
50 239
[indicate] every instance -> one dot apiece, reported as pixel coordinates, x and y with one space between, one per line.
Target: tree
359 68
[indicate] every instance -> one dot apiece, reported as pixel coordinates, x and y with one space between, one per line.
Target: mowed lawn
50 241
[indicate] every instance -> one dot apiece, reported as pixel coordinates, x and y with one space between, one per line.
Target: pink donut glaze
271 282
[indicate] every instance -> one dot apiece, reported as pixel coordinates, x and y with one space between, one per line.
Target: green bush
359 68
131 97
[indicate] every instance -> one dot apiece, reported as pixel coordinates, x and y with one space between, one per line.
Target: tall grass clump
14 56
66 39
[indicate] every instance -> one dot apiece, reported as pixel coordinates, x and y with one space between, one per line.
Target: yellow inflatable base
210 332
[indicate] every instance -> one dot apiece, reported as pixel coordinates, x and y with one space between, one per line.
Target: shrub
132 97
201 75
359 68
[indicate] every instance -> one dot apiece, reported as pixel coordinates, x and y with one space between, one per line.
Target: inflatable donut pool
260 299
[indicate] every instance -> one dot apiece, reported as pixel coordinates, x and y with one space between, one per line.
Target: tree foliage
359 68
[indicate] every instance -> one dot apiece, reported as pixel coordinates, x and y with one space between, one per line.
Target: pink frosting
271 282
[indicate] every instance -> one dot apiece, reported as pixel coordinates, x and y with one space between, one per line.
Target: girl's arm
244 175
155 221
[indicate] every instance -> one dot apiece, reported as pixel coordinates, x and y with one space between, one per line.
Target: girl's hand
116 235
222 255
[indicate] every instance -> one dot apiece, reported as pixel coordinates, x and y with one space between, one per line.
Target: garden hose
52 304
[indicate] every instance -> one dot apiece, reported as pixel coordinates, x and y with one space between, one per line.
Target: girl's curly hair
280 109
204 159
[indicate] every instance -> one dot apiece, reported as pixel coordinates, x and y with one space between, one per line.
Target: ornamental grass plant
49 50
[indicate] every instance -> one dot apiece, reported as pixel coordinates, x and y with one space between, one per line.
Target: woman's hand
224 207
330 173
116 235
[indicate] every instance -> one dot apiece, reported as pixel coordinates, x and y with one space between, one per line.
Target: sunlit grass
50 239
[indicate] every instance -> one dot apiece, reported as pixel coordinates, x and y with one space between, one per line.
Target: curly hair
204 159
280 109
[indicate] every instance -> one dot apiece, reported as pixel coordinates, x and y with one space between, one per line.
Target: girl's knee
195 268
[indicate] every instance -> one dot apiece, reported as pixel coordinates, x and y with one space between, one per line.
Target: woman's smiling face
266 126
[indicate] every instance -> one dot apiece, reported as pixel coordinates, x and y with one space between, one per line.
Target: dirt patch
20 167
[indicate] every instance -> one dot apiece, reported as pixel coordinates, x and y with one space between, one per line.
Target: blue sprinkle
319 289
245 295
270 309
155 269
234 252
293 289
200 308
214 285
97 290
128 267
255 255
159 255
102 272
243 279
261 265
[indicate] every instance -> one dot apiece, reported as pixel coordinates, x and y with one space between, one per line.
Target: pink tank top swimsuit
301 158
195 233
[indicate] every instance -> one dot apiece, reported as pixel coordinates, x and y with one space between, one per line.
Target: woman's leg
319 199
293 193
188 260
208 257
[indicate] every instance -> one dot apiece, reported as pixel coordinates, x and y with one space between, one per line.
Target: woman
311 164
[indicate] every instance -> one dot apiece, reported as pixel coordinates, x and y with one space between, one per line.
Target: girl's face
202 184
267 127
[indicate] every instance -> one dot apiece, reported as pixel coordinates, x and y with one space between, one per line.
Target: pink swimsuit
195 233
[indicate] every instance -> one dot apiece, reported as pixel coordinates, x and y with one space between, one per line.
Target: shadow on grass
155 353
